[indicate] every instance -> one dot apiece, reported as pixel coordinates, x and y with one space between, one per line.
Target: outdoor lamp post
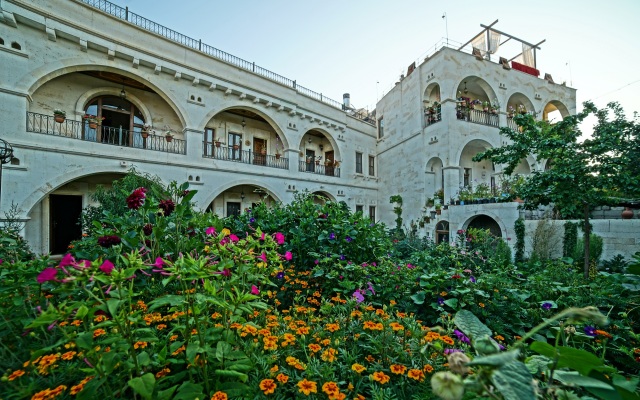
6 154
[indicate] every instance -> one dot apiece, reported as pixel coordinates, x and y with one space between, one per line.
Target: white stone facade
288 138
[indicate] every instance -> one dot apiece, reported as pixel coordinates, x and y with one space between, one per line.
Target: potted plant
168 136
522 109
146 130
218 142
438 209
59 115
92 120
318 160
510 112
278 155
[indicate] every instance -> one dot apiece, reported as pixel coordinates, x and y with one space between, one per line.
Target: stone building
138 94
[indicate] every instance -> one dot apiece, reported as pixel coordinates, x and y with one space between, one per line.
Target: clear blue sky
362 47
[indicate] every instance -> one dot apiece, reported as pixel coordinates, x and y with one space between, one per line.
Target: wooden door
259 151
328 166
64 222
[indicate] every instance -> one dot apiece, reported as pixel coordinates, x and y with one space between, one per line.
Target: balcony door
310 160
259 147
235 146
64 221
122 122
329 158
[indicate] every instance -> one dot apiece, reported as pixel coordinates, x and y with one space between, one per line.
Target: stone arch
90 94
555 110
54 183
431 93
471 171
245 181
241 106
516 100
442 234
434 179
63 67
319 142
322 196
475 87
486 220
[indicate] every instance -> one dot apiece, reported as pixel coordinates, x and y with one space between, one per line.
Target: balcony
433 115
319 168
477 116
225 153
45 124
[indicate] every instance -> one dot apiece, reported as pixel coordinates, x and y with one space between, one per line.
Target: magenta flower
136 198
49 274
67 260
106 267
262 236
225 272
233 238
279 237
210 231
263 257
288 256
255 290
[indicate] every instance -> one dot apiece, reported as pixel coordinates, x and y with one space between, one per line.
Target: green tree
582 174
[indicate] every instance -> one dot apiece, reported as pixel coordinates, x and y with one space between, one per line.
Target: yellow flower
481 305
398 369
315 347
307 387
358 368
381 377
330 388
225 232
416 374
268 386
282 378
329 355
219 396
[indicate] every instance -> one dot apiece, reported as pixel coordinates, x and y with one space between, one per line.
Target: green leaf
85 340
144 359
496 360
419 297
232 374
222 348
537 364
192 350
166 394
453 303
514 381
573 378
112 306
576 359
171 300
82 311
189 391
143 385
468 323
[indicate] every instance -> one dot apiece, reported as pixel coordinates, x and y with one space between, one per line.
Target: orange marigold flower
499 337
330 388
100 318
172 338
268 386
358 368
161 327
416 374
163 372
396 326
329 355
302 330
307 387
370 358
360 397
381 377
332 327
481 305
16 374
447 340
603 333
99 332
398 369
219 396
68 355
273 369
139 345
315 347
428 368
282 378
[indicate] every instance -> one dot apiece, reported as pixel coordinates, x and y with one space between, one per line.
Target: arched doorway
442 232
238 199
120 122
486 222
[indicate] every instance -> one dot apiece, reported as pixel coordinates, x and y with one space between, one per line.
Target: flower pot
277 156
263 152
59 118
218 144
144 134
317 162
169 138
236 146
93 125
438 211
627 213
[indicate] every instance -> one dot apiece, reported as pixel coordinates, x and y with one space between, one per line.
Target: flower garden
305 300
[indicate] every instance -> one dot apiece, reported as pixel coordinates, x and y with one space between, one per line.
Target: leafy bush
595 249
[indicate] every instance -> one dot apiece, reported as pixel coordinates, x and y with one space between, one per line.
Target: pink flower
288 256
167 206
233 238
262 236
49 274
107 267
67 260
255 290
136 198
263 257
279 237
225 272
210 231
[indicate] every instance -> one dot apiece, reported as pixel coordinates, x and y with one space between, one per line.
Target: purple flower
48 274
472 279
371 288
348 239
342 257
263 257
332 236
67 260
461 336
449 351
280 275
358 296
590 331
147 229
225 272
547 306
440 301
108 240
252 220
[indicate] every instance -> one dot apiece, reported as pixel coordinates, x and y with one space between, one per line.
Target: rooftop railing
81 130
144 23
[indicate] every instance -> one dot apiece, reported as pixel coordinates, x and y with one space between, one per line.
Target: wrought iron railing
226 153
477 116
319 168
511 123
432 116
82 130
144 23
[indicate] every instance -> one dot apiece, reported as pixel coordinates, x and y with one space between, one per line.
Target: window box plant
59 115
146 130
93 120
218 142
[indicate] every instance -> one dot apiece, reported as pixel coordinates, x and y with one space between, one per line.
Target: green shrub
595 249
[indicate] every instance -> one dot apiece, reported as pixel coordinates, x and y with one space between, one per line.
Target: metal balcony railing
81 130
319 168
141 22
433 116
227 153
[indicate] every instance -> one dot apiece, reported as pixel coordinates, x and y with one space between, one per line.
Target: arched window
442 232
1 41
120 122
15 45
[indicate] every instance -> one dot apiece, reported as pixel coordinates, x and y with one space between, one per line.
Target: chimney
346 101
